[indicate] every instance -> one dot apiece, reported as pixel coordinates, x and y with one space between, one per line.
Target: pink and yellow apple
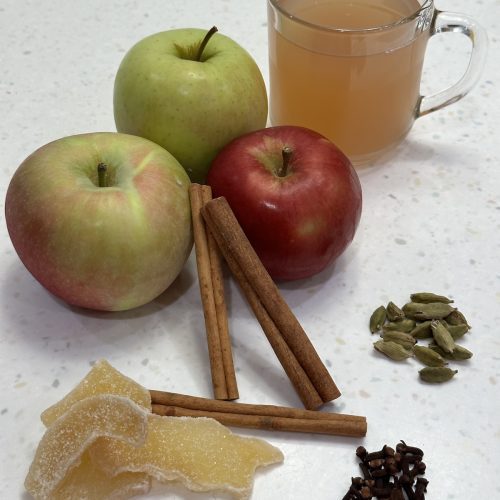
295 194
101 220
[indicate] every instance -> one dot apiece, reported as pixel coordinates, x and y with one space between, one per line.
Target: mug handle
458 23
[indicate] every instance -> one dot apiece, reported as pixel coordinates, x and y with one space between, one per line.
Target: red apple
295 194
101 220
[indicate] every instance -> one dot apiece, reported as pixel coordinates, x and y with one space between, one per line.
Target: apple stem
286 154
102 175
204 42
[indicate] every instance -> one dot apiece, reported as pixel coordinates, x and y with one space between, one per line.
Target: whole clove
421 488
361 452
389 452
404 449
375 455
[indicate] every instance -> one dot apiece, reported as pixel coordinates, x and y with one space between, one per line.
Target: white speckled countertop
431 221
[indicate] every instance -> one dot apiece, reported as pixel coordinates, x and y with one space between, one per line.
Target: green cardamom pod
403 325
392 350
377 319
431 310
459 353
442 336
436 348
456 318
401 338
456 331
394 313
422 330
436 374
428 356
426 297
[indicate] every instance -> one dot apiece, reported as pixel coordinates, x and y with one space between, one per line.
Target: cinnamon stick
204 268
164 398
220 307
296 374
330 427
235 246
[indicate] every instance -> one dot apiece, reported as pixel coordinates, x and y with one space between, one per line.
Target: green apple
190 91
101 220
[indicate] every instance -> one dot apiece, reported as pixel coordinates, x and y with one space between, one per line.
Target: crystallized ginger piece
64 442
102 379
199 452
88 482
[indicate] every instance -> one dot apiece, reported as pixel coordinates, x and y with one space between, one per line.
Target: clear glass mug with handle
351 69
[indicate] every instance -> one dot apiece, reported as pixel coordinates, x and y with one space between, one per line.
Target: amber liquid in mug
364 103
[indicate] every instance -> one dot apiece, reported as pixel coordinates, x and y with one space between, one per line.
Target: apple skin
106 248
300 223
190 108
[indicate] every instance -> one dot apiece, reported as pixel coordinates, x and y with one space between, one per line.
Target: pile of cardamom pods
427 317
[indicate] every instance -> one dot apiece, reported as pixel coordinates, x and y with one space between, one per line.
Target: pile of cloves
392 474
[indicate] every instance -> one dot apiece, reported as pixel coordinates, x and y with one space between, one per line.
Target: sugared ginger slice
88 482
199 452
102 379
64 442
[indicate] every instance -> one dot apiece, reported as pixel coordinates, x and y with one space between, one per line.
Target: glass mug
351 69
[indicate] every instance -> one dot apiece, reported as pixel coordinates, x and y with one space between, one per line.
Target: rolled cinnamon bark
234 246
334 427
220 307
298 377
165 398
205 279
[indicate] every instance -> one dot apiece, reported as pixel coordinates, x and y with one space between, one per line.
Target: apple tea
351 69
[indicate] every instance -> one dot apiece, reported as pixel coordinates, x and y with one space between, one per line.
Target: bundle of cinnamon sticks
266 417
217 232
